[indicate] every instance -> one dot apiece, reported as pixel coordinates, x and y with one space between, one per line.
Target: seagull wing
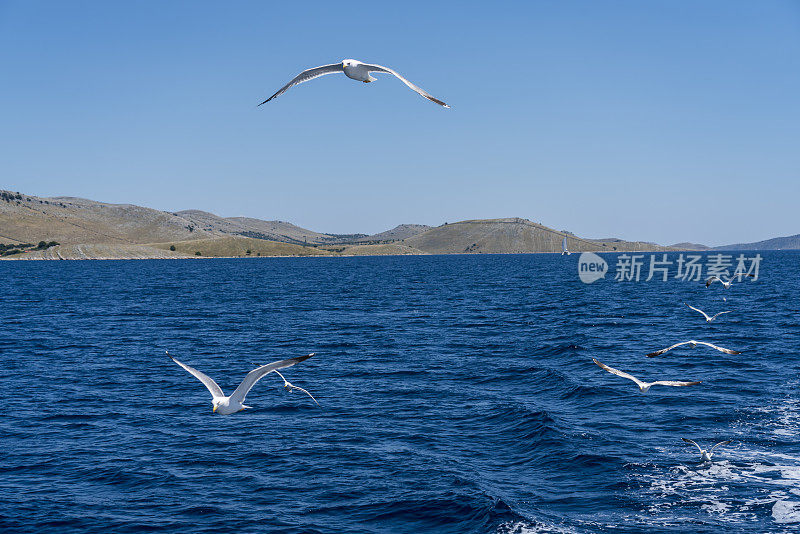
257 374
618 372
693 442
212 386
699 310
418 90
721 349
307 75
717 315
720 443
280 375
712 280
673 383
662 351
287 383
307 393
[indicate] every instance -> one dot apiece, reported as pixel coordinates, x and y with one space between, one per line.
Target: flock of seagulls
644 387
359 71
235 402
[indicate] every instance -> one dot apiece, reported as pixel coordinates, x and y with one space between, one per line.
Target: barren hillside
510 236
399 232
27 218
249 227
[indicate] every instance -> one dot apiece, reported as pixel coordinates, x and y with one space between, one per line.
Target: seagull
708 319
288 385
644 387
692 344
354 70
725 284
704 454
235 403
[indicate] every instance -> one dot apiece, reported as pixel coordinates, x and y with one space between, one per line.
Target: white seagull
708 318
692 344
354 70
644 387
705 455
289 386
235 403
725 284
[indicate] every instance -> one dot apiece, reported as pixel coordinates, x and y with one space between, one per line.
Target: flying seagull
235 403
644 387
704 454
288 385
354 70
708 318
692 344
725 284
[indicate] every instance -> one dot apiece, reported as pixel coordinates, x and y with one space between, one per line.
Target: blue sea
458 394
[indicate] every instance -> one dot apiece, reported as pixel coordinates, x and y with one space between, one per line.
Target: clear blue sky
665 121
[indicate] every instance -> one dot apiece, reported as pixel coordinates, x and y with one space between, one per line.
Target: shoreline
385 255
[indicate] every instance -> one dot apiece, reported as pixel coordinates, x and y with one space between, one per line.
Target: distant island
34 227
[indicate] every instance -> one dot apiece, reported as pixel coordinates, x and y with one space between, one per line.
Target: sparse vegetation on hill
8 196
234 246
18 248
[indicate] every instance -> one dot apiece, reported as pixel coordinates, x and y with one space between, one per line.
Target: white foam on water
785 416
786 512
716 488
744 482
522 527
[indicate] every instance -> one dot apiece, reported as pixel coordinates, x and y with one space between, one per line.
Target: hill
398 233
89 229
511 236
248 227
791 242
690 246
72 221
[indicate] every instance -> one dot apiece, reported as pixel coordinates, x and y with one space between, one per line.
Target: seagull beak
215 409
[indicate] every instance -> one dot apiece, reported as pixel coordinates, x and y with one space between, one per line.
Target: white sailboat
564 251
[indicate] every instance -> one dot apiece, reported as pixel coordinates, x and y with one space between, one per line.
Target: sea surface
458 395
